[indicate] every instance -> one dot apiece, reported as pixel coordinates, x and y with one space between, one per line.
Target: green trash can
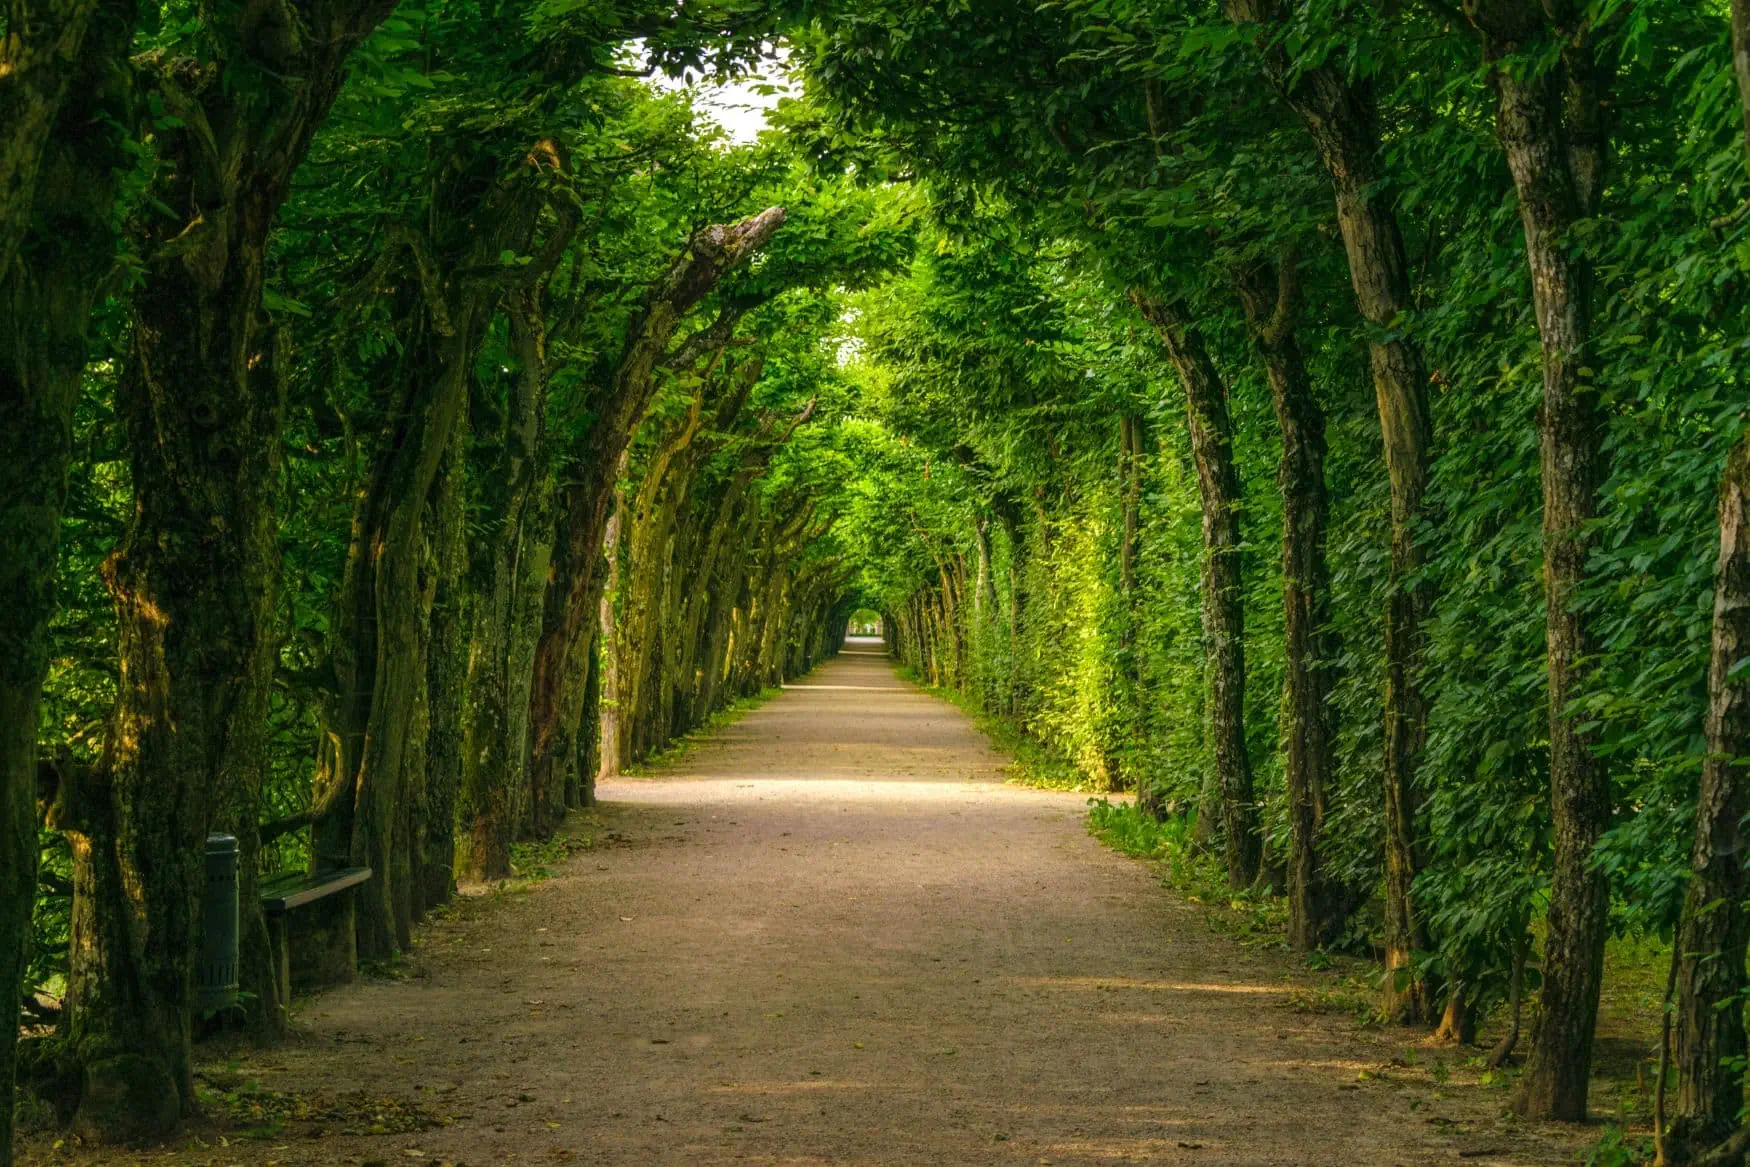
216 976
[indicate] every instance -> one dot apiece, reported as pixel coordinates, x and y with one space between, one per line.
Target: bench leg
280 962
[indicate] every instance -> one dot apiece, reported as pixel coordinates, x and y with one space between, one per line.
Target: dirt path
832 935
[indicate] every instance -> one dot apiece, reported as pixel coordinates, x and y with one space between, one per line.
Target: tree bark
1551 127
1741 61
1272 303
41 56
723 597
194 585
580 787
611 706
446 674
196 579
1708 1035
494 767
63 98
567 624
1218 486
375 639
1340 117
649 534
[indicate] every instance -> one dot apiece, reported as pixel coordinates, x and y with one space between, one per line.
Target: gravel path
831 934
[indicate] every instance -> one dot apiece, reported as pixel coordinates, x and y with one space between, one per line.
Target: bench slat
284 893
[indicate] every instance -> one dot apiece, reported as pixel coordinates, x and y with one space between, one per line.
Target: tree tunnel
1318 427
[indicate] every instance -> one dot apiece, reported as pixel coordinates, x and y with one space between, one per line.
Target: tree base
126 1099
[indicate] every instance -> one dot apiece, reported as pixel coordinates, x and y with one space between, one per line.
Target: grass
535 862
1635 969
679 748
1031 763
1254 917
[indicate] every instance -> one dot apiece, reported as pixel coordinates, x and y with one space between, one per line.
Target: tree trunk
580 785
194 585
1551 127
42 55
555 689
494 767
723 593
546 796
1709 1038
1708 1035
196 579
1341 119
1741 61
375 637
494 791
446 674
1223 598
1272 304
406 880
374 642
58 166
611 708
649 536
570 623
704 596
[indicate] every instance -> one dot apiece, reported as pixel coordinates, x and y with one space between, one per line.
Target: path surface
832 935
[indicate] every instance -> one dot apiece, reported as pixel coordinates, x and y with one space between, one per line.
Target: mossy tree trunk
65 93
1708 1032
1550 119
494 775
446 675
375 640
196 579
1343 124
1272 299
571 610
612 691
1222 593
649 534
42 58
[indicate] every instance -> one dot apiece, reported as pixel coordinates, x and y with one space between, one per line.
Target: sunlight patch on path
1150 986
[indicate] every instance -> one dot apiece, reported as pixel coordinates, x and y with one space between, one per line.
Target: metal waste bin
216 975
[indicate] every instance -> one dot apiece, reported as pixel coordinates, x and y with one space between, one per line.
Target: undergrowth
1617 1147
678 749
1252 915
537 861
1031 764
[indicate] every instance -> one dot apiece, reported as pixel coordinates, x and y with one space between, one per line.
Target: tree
195 581
1709 949
65 99
1552 123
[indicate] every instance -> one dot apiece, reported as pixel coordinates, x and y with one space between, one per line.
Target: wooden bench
310 927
